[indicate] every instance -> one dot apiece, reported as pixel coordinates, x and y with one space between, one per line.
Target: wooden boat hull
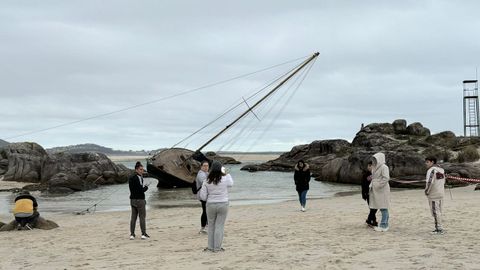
174 167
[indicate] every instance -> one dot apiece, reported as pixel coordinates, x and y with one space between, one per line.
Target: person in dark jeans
302 179
366 179
137 201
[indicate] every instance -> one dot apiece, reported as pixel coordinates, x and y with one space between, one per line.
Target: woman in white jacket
215 192
380 190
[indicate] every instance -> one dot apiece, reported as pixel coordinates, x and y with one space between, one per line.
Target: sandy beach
330 235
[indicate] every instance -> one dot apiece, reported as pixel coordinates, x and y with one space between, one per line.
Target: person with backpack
215 192
197 185
435 191
302 179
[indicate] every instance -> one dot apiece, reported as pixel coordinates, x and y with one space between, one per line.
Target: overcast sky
64 61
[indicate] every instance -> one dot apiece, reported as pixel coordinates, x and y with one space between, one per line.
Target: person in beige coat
380 190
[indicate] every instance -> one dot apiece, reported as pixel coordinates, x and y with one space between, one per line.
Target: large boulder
405 148
22 162
81 171
384 128
375 141
417 129
316 154
222 159
29 162
350 170
400 126
446 139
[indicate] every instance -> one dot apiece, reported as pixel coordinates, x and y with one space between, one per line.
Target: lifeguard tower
470 109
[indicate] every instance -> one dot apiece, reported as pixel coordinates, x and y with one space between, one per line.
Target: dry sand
330 235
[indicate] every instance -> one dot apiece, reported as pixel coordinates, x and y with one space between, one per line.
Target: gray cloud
65 61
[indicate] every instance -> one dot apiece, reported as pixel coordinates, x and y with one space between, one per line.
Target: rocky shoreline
58 172
63 172
405 148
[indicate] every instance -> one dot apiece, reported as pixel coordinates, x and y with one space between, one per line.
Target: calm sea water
249 188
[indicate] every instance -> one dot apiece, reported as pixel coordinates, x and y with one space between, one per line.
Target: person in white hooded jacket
215 192
380 190
435 191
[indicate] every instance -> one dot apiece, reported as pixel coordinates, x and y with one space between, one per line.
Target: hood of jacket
380 158
305 168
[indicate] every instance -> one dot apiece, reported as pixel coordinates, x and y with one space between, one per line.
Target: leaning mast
311 58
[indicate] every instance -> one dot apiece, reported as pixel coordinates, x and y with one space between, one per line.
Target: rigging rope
232 107
305 74
236 106
230 142
94 206
299 79
153 101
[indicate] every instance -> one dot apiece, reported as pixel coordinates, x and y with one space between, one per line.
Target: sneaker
371 223
303 209
380 229
28 226
132 237
440 232
203 230
219 250
145 236
19 226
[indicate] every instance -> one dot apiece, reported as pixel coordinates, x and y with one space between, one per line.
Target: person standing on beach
380 190
201 177
215 192
137 201
302 179
367 178
435 191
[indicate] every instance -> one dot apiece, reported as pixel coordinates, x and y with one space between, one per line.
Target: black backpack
194 187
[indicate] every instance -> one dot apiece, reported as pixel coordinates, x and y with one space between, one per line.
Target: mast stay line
258 102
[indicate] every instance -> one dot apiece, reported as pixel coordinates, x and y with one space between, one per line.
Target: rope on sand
455 178
463 179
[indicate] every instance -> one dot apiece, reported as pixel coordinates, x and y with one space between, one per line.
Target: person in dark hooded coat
302 180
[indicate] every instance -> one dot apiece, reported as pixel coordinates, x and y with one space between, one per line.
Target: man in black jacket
137 201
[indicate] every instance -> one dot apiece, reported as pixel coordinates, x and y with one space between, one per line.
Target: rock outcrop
59 172
222 159
405 148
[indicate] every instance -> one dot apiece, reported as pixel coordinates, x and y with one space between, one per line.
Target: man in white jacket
435 191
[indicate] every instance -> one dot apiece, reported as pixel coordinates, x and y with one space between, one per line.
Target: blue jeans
384 222
302 197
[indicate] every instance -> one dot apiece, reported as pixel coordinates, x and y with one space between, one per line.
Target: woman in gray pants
215 192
